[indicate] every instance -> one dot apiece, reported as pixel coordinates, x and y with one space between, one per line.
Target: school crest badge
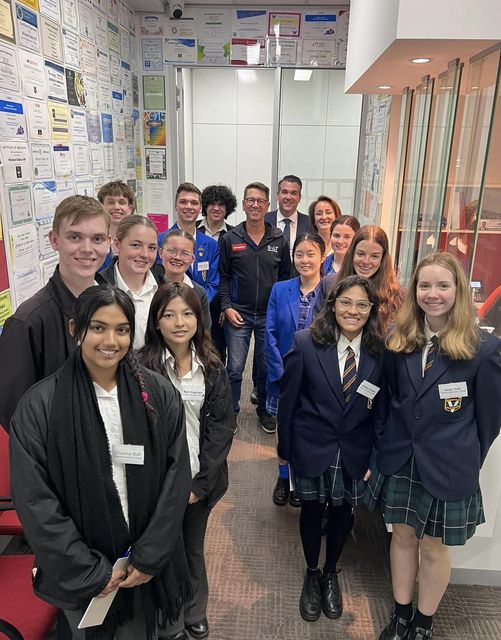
452 404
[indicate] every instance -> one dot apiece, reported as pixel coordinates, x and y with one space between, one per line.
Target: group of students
382 397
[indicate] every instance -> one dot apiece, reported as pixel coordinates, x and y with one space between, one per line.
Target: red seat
32 617
9 522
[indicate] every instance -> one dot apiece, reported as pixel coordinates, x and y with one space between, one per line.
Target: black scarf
79 464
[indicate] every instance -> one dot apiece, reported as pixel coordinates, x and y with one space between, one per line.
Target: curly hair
325 330
218 194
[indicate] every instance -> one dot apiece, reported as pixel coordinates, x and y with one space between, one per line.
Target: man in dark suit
287 218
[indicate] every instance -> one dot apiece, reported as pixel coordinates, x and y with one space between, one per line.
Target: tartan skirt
334 485
404 500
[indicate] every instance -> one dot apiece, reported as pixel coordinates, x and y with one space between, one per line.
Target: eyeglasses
261 201
185 256
362 306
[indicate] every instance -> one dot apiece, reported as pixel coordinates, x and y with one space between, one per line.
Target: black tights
340 523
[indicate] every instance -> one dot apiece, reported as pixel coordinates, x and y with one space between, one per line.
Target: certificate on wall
93 127
45 249
56 81
107 127
282 52
33 75
86 17
59 120
69 14
102 65
45 199
103 96
26 282
153 92
151 25
20 206
78 126
90 93
50 8
114 71
101 31
180 50
118 129
87 57
117 101
63 165
37 119
28 31
23 246
85 188
16 162
6 22
249 23
97 159
282 23
51 39
124 45
12 120
41 160
213 51
213 22
151 52
71 48
318 53
64 189
9 74
112 9
113 38
81 162
156 163
247 51
108 158
319 25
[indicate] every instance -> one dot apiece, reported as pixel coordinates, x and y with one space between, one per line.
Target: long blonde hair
459 339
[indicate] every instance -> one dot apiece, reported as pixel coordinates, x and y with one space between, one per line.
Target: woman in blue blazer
326 425
290 309
444 377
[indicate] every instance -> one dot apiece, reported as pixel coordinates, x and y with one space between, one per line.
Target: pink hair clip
144 396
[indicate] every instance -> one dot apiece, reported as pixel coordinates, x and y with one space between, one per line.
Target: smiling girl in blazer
328 399
443 375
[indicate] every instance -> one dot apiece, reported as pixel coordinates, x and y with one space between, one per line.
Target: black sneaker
268 423
281 492
253 396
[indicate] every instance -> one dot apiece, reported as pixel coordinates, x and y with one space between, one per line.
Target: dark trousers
194 528
217 331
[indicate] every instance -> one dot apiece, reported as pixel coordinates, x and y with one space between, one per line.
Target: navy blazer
303 221
282 318
313 420
449 439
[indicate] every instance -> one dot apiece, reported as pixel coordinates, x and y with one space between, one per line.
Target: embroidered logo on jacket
452 404
272 248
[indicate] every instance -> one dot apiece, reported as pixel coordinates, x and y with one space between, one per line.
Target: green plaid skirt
404 500
334 485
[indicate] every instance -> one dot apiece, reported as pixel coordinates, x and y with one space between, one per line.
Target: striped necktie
349 374
430 356
287 230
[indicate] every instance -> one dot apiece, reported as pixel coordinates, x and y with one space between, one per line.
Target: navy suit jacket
313 420
303 221
449 446
281 324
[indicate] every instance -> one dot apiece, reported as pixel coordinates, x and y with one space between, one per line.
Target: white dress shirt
293 226
142 302
208 232
342 345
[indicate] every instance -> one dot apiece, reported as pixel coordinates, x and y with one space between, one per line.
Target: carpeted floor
256 565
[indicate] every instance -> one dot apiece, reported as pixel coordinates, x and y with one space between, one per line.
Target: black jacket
69 571
35 342
248 272
217 425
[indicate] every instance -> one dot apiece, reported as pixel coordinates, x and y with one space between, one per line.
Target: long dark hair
153 352
105 295
325 330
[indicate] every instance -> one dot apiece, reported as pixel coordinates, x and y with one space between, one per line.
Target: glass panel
430 217
413 178
475 111
319 133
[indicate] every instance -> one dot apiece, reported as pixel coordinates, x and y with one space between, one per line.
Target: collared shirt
342 345
306 301
293 226
429 335
222 229
192 389
107 401
142 301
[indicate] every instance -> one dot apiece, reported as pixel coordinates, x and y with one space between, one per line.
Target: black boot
310 603
332 599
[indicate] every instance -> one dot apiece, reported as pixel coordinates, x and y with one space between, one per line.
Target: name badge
453 390
128 453
203 266
193 394
367 389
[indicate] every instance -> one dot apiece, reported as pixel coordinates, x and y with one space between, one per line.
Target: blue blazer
303 221
449 439
281 324
206 250
313 420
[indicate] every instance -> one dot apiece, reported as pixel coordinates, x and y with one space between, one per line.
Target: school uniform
440 426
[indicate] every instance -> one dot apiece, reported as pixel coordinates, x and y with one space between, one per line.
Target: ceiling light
384 86
302 75
421 60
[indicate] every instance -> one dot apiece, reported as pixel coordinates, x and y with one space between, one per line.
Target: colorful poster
155 132
5 301
213 51
6 22
282 23
75 88
107 127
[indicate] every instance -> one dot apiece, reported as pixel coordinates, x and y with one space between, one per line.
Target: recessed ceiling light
384 86
421 60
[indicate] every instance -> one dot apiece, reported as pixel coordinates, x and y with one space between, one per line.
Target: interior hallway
256 566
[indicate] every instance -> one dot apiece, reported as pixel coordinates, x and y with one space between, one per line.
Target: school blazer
313 420
281 324
450 437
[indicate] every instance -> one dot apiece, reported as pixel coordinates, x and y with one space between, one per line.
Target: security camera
176 8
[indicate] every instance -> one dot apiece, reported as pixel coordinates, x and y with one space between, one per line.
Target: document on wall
151 25
151 53
109 163
113 38
102 66
124 45
319 24
107 127
32 75
6 22
56 81
64 189
16 162
214 22
153 92
213 51
45 249
91 93
45 199
47 268
249 23
69 14
120 159
343 20
156 163
180 50
87 57
59 120
248 51
12 120
78 121
37 119
101 31
117 101
112 9
318 53
41 160
103 96
19 204
75 88
85 188
118 129
9 73
284 24
86 17
282 52
63 165
50 8
71 48
26 281
28 29
23 246
97 159
114 71
93 127
51 39
81 160
185 27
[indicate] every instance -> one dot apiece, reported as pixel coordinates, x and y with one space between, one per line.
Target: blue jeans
237 344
